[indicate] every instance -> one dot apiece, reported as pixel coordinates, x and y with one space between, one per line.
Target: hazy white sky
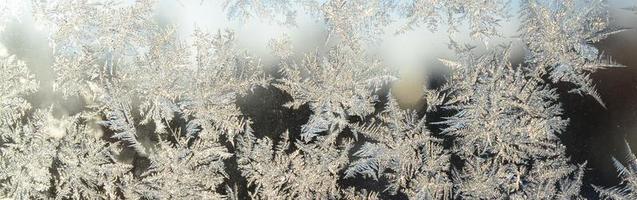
407 50
404 50
412 51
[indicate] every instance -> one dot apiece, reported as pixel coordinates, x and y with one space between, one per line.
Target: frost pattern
336 86
483 16
280 11
505 128
17 142
628 174
560 36
160 117
405 153
310 172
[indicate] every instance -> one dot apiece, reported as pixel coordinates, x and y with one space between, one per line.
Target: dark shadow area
595 134
359 182
264 107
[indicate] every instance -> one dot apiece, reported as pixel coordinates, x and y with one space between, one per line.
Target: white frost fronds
121 122
25 151
484 17
336 86
279 11
628 175
560 37
86 165
15 83
405 153
179 171
221 74
26 154
310 172
505 125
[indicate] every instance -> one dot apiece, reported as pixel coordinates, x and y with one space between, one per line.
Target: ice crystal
336 86
560 36
484 17
310 172
405 153
628 175
506 126
159 114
